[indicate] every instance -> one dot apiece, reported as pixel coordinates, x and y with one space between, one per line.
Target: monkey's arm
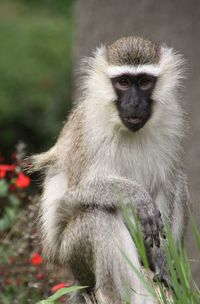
109 192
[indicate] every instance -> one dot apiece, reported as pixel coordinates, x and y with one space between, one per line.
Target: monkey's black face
134 101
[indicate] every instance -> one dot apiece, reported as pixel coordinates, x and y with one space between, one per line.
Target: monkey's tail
40 161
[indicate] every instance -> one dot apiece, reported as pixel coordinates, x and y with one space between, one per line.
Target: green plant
61 292
36 71
13 181
185 290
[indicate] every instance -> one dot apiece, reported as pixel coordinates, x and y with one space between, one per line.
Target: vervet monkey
122 139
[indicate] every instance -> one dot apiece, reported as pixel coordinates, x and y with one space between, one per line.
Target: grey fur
133 51
91 169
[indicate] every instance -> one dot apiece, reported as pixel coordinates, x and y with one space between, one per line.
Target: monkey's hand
151 223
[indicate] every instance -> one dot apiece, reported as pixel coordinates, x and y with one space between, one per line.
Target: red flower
36 259
22 181
12 188
40 276
8 281
2 173
59 286
11 259
5 168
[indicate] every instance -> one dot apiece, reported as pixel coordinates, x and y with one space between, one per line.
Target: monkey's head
136 80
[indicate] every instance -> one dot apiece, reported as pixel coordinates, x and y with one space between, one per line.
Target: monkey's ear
173 64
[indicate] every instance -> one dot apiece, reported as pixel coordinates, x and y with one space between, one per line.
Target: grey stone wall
176 22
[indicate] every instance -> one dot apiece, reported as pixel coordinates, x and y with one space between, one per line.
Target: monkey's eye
145 82
123 83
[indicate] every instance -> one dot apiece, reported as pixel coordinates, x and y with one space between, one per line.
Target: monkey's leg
115 280
96 246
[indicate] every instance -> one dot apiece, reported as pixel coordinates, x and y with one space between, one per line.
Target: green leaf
136 232
14 201
11 213
195 230
5 223
3 188
9 217
61 292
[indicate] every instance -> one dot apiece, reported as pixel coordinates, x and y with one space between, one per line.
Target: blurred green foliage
36 38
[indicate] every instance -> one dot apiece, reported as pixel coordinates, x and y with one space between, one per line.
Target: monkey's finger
156 238
147 231
155 232
146 228
163 234
161 228
157 241
148 241
163 278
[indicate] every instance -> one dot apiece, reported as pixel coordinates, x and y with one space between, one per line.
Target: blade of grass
195 230
136 233
162 295
178 256
175 256
61 292
146 284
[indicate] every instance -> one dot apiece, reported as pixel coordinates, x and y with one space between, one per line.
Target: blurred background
36 38
36 63
41 44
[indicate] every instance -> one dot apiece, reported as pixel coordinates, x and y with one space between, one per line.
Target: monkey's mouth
134 120
134 123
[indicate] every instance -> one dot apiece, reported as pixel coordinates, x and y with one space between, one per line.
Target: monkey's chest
145 165
145 168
